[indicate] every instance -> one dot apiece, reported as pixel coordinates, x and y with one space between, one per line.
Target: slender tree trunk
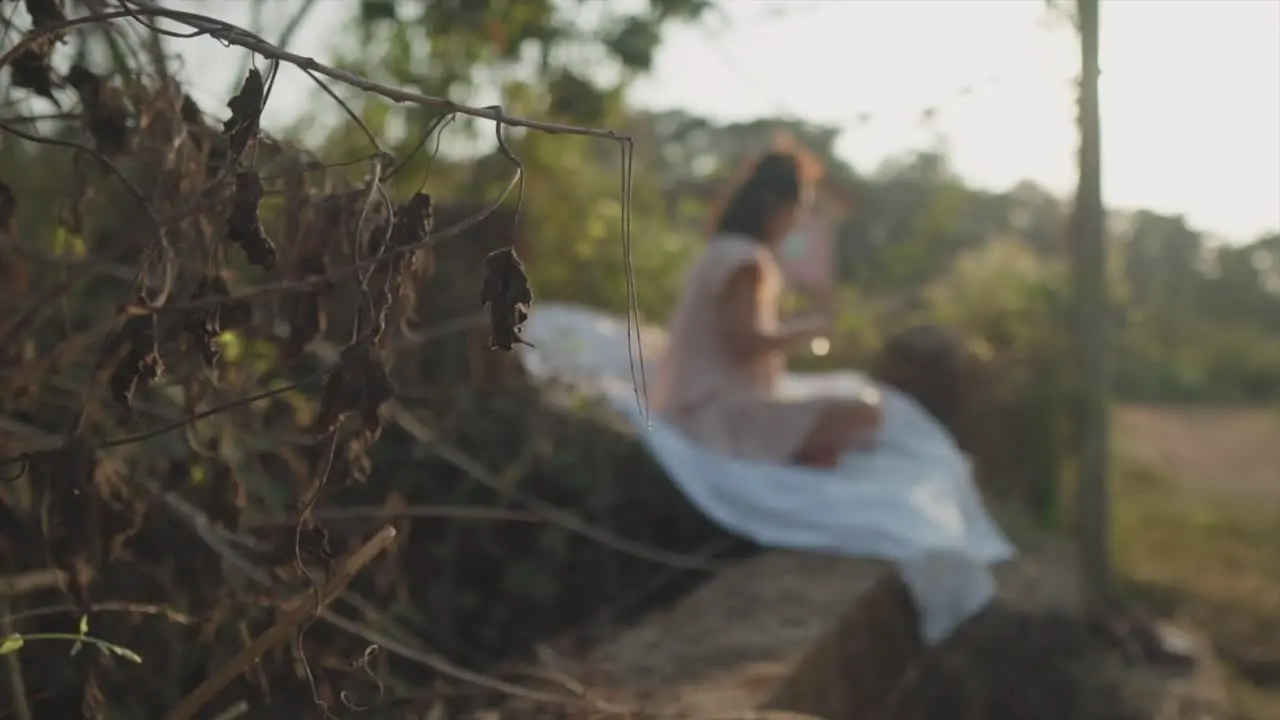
1092 332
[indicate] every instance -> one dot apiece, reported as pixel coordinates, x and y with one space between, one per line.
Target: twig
29 581
445 512
215 537
247 40
13 667
235 35
293 614
549 512
209 412
233 712
177 424
120 607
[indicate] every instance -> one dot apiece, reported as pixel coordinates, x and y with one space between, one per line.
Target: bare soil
1231 450
1196 511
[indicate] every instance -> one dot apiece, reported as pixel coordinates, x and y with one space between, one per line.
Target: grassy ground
1199 547
1231 450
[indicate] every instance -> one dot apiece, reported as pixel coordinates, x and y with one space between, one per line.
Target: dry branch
23 583
13 666
217 540
291 616
235 35
213 531
549 512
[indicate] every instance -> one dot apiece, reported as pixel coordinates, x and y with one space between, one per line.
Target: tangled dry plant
156 188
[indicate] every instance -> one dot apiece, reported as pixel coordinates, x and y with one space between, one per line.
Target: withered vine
226 233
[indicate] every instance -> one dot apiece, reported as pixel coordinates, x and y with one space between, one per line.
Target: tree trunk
1091 329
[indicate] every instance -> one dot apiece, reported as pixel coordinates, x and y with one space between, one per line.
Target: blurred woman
718 383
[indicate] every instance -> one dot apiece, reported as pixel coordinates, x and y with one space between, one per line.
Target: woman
726 354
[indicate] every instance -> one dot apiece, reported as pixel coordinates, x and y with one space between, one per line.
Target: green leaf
66 242
123 652
11 644
573 96
634 43
378 10
232 345
84 631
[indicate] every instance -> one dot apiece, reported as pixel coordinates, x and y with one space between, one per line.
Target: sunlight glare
820 346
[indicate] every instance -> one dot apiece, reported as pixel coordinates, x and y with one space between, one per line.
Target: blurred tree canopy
1196 320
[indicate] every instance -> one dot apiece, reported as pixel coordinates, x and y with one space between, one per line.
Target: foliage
202 311
1191 553
582 51
1010 306
1195 319
579 224
15 641
1001 295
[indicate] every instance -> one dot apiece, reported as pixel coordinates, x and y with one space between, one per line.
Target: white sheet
911 500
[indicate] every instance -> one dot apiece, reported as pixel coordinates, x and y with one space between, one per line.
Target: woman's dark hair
774 180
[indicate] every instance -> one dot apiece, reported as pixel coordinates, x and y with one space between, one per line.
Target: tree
1091 321
567 59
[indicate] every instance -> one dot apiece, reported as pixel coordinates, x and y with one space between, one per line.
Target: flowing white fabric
910 500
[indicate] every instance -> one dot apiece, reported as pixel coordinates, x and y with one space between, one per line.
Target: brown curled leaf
204 324
360 384
246 113
307 312
85 511
106 116
356 464
135 349
191 114
414 221
412 226
30 70
508 296
244 227
45 13
396 278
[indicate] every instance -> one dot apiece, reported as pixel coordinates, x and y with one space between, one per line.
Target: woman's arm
738 312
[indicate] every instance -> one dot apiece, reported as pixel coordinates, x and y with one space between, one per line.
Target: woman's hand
807 327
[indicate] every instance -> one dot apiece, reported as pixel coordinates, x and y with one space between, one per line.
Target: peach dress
713 397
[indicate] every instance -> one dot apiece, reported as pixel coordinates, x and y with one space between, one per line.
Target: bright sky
1190 88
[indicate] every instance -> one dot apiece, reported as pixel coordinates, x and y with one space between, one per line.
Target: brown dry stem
29 581
295 612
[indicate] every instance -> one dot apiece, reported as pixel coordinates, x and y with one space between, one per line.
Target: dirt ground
1230 450
1196 532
